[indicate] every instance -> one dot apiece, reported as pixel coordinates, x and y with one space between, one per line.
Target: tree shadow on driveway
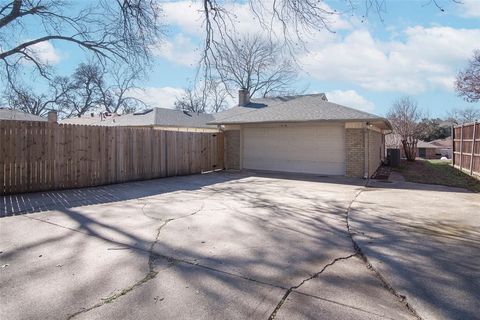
426 244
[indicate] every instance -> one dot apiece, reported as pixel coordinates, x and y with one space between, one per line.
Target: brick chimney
52 116
243 97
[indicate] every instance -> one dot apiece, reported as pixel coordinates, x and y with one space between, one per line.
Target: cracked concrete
424 240
224 245
152 271
293 288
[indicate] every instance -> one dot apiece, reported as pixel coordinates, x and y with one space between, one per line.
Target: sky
412 48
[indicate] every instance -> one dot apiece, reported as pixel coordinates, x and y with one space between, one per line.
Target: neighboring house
425 150
304 133
11 114
158 118
444 147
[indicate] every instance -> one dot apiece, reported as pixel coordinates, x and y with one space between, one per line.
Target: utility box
393 157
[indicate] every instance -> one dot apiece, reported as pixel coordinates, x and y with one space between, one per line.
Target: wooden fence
38 156
466 148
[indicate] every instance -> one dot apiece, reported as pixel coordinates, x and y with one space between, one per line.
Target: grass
437 172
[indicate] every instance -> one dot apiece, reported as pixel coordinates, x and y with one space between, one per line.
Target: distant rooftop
11 114
151 117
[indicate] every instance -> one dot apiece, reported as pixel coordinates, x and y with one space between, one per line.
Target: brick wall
232 149
375 151
355 152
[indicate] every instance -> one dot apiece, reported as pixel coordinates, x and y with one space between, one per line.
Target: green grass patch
437 172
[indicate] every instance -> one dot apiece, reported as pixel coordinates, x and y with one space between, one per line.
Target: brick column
355 152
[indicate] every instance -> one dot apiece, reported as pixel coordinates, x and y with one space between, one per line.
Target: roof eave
387 123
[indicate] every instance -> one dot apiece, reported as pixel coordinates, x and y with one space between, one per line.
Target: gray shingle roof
10 114
152 117
394 140
303 108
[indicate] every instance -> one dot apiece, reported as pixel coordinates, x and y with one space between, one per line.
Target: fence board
466 148
38 156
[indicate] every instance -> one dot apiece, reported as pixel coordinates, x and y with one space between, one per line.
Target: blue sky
413 49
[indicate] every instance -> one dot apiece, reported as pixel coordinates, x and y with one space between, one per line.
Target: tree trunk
410 148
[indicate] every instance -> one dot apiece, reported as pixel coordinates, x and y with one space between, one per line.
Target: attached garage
304 134
295 148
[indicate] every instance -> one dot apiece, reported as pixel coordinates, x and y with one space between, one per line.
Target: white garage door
314 149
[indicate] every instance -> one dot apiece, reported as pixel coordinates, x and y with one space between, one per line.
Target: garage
316 149
302 134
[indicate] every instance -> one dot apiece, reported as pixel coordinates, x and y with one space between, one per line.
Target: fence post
453 145
461 147
473 147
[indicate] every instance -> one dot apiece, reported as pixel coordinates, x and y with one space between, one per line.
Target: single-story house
12 114
444 147
158 118
425 150
304 134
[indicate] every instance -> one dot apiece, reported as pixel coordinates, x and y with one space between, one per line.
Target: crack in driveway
358 250
315 275
152 273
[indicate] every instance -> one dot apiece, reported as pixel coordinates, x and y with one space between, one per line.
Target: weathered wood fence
466 148
38 156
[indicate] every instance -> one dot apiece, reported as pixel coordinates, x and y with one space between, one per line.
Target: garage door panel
314 149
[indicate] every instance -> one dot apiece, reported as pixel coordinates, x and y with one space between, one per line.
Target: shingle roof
443 143
425 144
89 120
310 107
10 114
394 140
152 117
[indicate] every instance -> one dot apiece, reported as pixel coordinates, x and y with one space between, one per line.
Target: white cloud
414 60
162 97
188 16
45 52
350 98
426 58
470 8
180 50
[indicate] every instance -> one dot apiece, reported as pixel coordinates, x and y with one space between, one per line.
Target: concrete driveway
223 245
425 241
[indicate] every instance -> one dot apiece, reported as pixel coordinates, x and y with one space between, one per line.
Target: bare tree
216 96
210 97
288 22
108 30
190 100
115 88
468 80
406 119
464 115
84 94
27 100
255 64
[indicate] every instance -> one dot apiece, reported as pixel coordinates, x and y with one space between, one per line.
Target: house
12 114
425 150
444 147
158 118
304 134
